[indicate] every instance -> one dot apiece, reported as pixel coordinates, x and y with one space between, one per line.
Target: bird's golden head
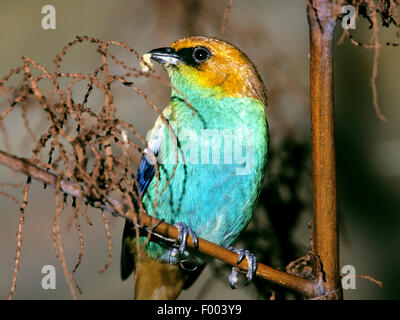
212 64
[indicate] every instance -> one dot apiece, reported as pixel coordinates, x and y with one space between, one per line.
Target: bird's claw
174 256
184 232
251 261
176 253
233 277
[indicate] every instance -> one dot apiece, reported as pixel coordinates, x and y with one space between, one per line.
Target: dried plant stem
225 17
295 283
19 239
374 76
107 226
321 17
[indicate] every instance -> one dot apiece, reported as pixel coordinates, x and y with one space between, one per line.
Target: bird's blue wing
145 174
146 169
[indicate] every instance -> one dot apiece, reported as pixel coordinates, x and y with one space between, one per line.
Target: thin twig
19 238
225 18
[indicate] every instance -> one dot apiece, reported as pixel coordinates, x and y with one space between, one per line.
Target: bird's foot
251 261
184 231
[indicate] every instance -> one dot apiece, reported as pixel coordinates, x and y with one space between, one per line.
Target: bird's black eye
201 54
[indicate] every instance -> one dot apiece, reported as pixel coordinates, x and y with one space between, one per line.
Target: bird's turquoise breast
214 184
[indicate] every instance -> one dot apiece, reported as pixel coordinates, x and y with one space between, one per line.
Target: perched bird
211 150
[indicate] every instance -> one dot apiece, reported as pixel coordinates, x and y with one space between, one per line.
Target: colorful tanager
211 150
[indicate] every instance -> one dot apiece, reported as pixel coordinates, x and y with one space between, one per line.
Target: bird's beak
165 56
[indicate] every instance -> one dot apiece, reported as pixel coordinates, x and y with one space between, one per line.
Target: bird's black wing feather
144 176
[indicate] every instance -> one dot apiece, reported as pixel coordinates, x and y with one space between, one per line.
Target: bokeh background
274 34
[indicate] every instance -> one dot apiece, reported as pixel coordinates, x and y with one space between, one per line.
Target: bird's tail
156 280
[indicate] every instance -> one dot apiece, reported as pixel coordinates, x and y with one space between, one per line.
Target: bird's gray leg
184 231
251 261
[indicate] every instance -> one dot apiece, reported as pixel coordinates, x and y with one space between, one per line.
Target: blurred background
274 34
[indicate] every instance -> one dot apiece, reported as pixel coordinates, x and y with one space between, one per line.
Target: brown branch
295 283
326 245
